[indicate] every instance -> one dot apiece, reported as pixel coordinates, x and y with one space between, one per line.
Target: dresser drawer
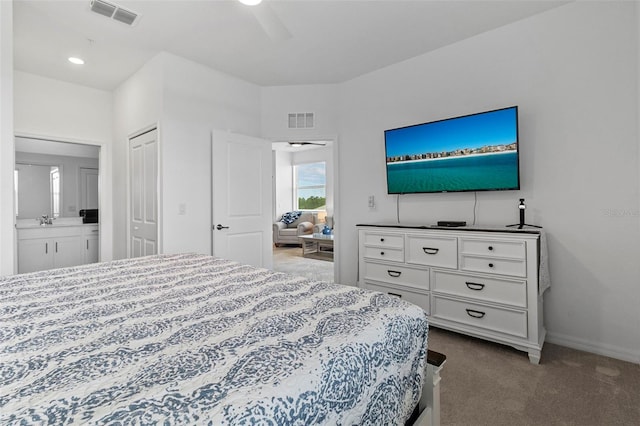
381 239
507 321
419 299
498 248
432 251
510 292
515 267
384 253
396 274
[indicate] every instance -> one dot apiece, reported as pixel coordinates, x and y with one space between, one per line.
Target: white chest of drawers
483 283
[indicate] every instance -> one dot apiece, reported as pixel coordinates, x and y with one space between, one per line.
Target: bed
193 339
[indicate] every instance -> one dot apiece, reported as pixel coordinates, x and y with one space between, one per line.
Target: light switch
372 201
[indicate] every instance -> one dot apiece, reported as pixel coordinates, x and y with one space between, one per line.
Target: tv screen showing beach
476 152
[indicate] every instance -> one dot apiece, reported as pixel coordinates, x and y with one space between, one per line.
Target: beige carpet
289 259
488 384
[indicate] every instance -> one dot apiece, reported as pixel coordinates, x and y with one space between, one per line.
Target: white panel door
242 198
143 164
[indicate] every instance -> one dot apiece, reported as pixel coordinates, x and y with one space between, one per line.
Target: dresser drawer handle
381 253
430 250
394 274
475 314
382 240
490 248
474 286
394 294
491 265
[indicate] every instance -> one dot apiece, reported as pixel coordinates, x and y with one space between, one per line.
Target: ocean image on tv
470 153
472 173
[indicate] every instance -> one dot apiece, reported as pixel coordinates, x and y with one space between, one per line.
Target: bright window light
250 2
76 61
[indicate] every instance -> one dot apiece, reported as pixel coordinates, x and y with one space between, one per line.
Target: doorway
47 190
304 180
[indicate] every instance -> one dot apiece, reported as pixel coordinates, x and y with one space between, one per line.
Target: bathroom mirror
52 178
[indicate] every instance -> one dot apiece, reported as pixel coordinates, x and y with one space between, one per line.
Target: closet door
143 168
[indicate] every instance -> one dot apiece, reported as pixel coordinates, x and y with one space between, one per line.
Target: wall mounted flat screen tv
477 152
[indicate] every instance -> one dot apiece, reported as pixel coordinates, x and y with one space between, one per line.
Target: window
310 186
55 191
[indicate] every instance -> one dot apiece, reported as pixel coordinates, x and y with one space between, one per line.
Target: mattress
193 339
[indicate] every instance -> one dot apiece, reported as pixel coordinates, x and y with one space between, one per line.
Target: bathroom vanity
64 243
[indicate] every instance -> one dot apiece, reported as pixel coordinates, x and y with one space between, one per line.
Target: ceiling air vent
114 12
301 120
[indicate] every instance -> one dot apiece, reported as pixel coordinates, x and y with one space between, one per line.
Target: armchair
288 234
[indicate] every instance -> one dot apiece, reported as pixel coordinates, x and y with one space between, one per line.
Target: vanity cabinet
51 247
477 282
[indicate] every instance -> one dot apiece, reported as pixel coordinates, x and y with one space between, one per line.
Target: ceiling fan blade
270 23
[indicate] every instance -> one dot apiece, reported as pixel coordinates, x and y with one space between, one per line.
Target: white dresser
480 282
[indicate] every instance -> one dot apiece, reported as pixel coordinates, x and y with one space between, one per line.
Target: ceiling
279 42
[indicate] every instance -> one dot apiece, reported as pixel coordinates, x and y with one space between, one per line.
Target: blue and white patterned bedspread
192 339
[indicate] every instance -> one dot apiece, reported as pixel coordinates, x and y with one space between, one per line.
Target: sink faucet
45 220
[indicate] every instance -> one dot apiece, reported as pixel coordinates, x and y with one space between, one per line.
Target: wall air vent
301 120
114 12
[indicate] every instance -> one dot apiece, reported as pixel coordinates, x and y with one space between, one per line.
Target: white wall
7 216
57 110
187 100
197 100
573 72
137 105
279 101
60 110
283 183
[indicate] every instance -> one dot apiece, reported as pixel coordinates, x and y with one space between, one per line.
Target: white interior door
242 199
143 164
88 188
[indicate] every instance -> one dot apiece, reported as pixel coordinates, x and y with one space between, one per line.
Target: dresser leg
534 356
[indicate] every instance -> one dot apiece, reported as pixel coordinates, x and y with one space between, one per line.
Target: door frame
105 197
147 129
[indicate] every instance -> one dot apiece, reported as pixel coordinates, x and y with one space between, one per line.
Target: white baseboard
599 349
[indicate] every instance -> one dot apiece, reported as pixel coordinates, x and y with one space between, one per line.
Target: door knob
219 227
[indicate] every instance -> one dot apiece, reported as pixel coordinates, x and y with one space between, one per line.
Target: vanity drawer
498 248
506 321
384 253
419 299
489 265
381 239
432 251
510 292
396 274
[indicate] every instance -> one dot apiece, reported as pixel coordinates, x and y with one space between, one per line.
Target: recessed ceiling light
76 61
250 2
